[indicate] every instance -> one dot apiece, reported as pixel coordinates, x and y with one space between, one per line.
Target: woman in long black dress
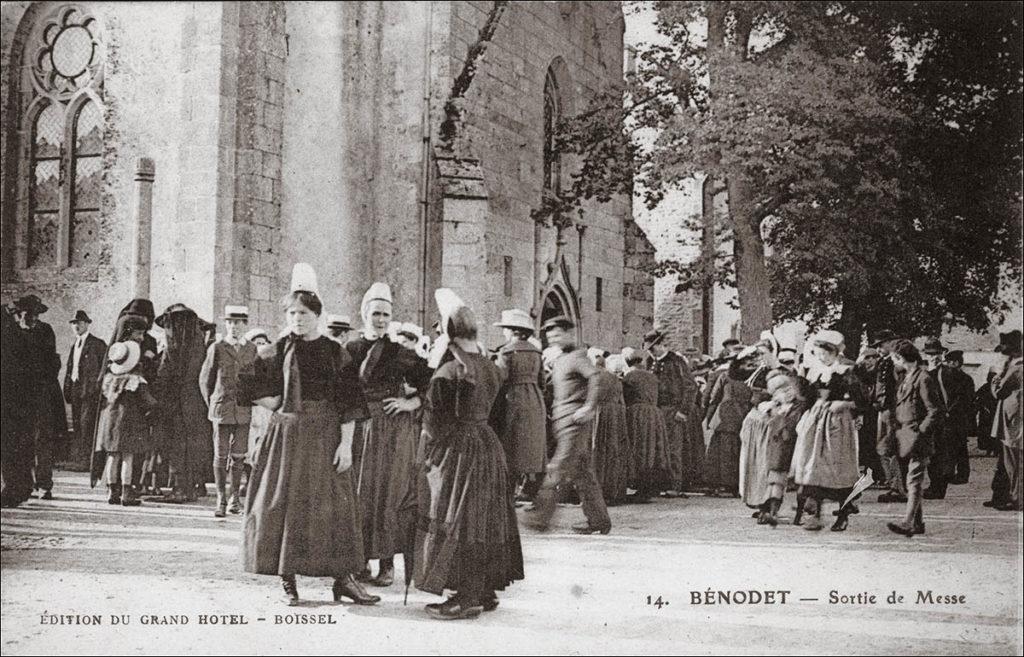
303 517
468 539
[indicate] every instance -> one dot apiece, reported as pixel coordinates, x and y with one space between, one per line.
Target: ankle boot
128 497
219 477
773 511
348 587
291 590
235 505
114 494
386 573
814 524
798 516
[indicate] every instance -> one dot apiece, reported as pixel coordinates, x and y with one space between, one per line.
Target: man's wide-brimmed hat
933 346
32 304
653 337
80 316
124 356
515 319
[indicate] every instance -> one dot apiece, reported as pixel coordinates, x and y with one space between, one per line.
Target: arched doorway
559 299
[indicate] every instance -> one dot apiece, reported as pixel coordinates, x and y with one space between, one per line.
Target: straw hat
515 319
124 356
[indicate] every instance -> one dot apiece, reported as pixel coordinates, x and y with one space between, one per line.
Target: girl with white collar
825 456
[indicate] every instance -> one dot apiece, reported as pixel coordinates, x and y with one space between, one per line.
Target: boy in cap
218 381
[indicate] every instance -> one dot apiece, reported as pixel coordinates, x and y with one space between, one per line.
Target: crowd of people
353 447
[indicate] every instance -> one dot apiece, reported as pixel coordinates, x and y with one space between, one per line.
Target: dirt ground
169 572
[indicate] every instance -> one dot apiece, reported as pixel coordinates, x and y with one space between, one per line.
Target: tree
835 131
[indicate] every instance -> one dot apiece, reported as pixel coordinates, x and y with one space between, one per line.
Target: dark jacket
90 363
382 372
918 413
218 381
957 390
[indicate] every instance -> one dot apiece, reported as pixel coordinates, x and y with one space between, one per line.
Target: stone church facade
193 152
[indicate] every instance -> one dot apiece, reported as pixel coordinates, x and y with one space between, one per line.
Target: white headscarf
378 296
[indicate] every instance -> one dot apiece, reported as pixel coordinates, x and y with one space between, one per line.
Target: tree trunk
850 324
752 284
753 289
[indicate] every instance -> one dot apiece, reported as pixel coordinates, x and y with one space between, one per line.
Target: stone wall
153 53
249 237
503 125
353 149
299 131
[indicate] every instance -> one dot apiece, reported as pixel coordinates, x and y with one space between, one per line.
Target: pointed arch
54 119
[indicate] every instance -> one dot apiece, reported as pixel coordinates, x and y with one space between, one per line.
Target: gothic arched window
552 116
61 130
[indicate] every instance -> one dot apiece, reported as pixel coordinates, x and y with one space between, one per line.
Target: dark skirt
302 516
386 482
524 430
722 465
466 516
610 448
692 466
123 428
649 438
685 448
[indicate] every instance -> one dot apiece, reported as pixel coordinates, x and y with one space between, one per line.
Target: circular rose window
72 51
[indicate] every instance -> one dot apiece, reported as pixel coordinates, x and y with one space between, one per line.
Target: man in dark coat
883 400
958 399
42 391
1006 426
81 388
918 418
16 449
960 414
677 399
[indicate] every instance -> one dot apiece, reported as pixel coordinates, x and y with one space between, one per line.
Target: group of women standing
152 416
318 507
803 428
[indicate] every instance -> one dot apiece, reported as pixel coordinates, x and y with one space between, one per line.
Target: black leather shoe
348 587
47 495
586 528
900 529
841 523
385 577
490 602
454 609
291 590
1007 506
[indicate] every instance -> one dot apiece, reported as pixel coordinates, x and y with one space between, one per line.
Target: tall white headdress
304 279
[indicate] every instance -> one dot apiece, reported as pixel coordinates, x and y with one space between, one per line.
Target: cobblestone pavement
167 569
